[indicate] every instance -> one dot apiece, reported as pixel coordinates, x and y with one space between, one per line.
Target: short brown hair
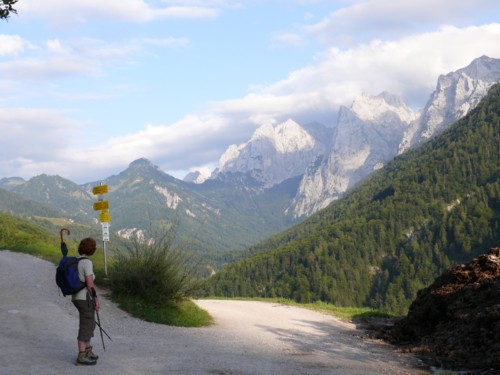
87 246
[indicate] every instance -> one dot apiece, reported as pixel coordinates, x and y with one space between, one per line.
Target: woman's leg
86 331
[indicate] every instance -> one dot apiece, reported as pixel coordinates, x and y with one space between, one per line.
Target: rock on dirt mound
457 319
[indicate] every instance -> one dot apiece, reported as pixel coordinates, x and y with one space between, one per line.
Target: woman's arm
89 281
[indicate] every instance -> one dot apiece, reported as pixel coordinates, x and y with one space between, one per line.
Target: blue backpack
67 276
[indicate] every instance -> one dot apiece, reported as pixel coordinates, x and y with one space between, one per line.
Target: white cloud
47 69
64 12
207 3
13 45
409 67
382 19
54 45
58 150
36 139
185 12
74 58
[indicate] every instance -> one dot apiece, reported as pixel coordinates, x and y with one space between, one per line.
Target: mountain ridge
273 154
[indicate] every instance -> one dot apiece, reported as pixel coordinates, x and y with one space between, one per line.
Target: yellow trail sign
101 189
101 205
104 216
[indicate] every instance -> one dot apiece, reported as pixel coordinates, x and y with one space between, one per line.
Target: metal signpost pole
105 238
105 256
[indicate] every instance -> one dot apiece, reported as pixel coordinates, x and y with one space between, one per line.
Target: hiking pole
61 233
102 329
94 296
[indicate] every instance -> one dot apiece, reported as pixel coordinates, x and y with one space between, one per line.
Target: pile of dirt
456 320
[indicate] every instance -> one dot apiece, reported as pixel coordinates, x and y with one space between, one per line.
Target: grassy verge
347 313
181 314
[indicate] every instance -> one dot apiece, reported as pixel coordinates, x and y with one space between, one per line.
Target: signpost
101 205
105 231
104 217
99 190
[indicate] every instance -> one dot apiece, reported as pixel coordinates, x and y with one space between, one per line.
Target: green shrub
153 271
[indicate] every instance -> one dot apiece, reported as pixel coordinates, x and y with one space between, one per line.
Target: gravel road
38 329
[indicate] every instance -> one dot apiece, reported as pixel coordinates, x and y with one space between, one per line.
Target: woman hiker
85 301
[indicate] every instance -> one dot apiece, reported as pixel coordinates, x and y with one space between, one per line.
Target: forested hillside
428 209
15 203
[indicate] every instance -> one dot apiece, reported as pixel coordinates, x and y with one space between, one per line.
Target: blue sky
88 86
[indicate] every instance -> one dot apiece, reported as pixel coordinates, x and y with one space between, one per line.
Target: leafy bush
153 272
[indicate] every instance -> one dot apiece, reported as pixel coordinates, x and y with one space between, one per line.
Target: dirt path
38 336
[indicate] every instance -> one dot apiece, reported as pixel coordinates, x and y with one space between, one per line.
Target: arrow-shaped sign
104 216
101 189
101 205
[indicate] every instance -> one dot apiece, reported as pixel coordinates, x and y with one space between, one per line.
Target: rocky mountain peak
142 163
141 170
285 137
196 177
9 183
376 108
456 94
367 135
483 68
274 153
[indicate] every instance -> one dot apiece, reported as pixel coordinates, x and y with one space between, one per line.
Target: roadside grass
46 251
181 314
347 313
